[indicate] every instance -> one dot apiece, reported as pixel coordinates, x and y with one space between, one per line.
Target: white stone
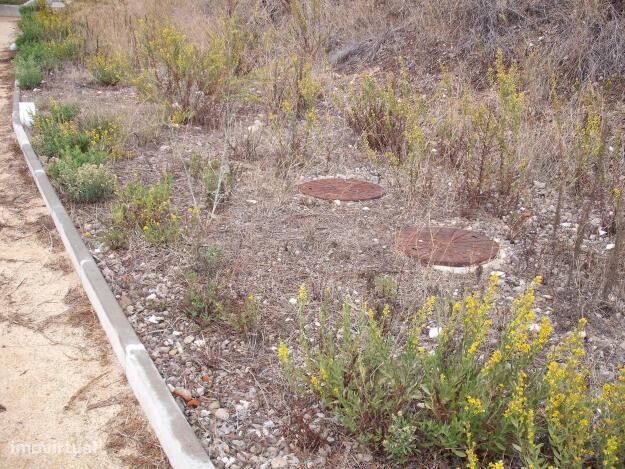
255 127
27 113
610 246
222 414
434 332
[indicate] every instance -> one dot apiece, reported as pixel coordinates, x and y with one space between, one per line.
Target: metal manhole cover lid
346 190
451 247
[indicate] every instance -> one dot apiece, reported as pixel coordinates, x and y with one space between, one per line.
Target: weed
247 319
217 182
147 209
385 288
462 396
108 69
401 440
383 114
201 301
115 238
207 260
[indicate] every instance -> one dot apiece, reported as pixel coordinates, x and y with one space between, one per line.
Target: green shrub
385 287
482 138
63 112
149 210
47 37
28 73
70 159
207 260
190 80
39 53
56 131
41 23
77 156
109 69
86 183
476 393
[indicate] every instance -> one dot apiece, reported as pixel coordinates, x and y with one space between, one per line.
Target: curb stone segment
176 437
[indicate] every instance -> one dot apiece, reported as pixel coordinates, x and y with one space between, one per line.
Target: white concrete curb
177 439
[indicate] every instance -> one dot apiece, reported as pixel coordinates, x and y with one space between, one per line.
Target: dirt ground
64 401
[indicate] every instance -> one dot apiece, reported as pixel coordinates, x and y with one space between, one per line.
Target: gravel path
64 401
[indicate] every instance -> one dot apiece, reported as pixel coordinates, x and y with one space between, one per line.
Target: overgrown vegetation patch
47 38
77 158
474 393
489 118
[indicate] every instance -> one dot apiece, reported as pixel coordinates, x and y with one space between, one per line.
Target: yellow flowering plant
469 393
108 69
569 407
148 210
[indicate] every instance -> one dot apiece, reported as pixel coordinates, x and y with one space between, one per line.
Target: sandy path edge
64 401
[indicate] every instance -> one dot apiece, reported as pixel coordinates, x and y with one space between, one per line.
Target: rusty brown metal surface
451 247
347 190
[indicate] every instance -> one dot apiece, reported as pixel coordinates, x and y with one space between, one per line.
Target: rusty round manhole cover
451 247
346 190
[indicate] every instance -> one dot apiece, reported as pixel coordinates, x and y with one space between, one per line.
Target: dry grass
131 440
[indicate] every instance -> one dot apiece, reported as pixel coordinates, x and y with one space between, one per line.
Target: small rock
279 462
434 332
222 414
183 393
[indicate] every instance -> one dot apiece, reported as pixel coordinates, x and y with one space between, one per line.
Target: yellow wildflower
283 353
474 405
494 359
302 297
314 382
